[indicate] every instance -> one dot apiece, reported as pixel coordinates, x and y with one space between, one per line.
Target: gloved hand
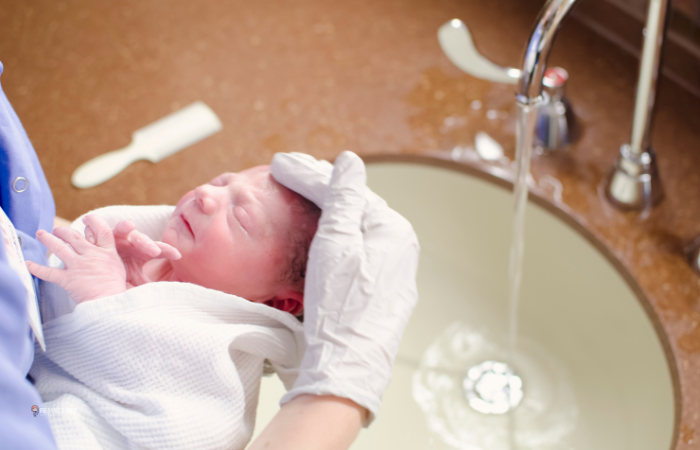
360 284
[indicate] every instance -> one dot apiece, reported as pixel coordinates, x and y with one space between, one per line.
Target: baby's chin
182 272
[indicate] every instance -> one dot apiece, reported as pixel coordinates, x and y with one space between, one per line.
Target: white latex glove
360 284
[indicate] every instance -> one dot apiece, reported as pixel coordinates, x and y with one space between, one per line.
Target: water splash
544 420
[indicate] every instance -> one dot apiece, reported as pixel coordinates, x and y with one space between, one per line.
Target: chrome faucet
556 125
634 182
537 51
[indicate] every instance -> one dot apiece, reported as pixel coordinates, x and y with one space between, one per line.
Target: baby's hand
93 269
135 249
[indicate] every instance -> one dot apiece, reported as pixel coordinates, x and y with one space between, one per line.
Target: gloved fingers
337 251
375 307
310 177
345 202
393 273
303 174
386 226
360 290
104 238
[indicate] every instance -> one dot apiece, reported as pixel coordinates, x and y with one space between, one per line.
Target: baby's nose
204 200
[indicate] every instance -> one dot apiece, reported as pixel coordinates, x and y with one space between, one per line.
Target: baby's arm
93 266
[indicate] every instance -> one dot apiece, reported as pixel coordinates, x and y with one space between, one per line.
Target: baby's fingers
104 238
74 238
45 273
58 247
123 228
90 235
144 244
167 251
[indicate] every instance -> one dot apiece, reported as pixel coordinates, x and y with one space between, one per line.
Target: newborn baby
243 234
141 364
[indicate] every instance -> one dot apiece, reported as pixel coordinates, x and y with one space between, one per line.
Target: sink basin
594 371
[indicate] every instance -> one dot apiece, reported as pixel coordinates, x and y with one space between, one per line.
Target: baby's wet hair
294 274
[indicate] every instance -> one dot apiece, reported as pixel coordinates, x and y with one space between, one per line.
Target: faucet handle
556 123
555 79
457 43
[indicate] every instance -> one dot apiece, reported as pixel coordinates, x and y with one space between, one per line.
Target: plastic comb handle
153 142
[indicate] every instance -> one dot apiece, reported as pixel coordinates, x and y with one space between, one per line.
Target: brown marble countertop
321 77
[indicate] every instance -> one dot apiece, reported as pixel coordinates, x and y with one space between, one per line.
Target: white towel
164 365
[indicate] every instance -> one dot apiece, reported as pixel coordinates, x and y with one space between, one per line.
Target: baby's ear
288 300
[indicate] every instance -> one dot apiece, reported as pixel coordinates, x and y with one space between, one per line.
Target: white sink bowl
594 369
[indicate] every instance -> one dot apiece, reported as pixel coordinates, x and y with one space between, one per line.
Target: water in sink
544 418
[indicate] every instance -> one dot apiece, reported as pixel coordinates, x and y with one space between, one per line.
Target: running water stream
527 115
493 386
517 395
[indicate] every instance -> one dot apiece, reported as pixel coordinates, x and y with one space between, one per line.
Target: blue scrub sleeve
24 195
30 207
19 428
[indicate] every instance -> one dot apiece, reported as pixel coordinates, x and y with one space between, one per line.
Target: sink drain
492 387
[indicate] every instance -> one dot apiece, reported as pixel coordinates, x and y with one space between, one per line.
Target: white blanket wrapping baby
164 365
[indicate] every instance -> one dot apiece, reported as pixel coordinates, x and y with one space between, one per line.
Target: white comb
154 142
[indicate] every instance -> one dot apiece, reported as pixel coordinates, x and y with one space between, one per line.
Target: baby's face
232 234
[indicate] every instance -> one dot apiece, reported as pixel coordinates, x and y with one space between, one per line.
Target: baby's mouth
187 224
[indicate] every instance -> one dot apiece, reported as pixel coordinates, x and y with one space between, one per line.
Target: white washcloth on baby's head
164 365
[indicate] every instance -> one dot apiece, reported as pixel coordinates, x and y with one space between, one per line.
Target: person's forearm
311 422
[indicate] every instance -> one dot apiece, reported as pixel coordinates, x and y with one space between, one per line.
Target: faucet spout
537 51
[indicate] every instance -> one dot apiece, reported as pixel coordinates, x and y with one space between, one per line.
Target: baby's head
247 235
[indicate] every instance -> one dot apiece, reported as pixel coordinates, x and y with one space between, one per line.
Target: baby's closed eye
242 217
